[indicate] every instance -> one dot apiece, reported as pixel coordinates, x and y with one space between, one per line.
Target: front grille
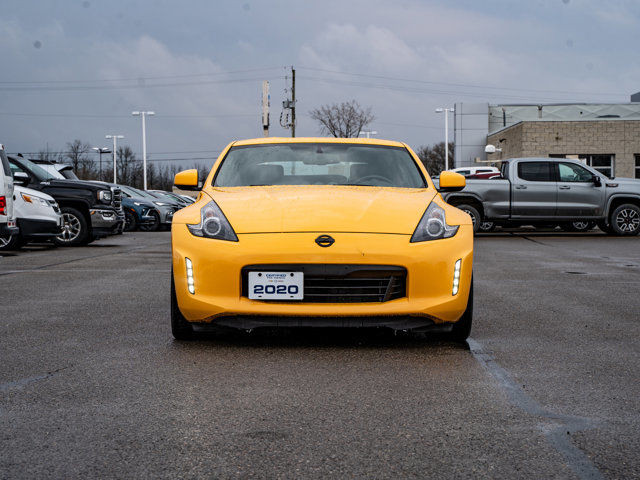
117 199
54 205
341 283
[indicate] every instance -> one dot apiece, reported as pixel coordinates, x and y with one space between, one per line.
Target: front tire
462 328
130 222
75 230
486 227
578 226
12 242
180 327
625 220
473 212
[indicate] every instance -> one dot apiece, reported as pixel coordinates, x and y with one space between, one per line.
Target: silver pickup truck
547 191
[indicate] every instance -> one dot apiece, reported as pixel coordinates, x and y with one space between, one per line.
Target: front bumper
8 229
217 274
146 217
105 222
166 214
30 228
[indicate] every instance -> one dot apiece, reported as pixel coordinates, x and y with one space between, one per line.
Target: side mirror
21 178
597 181
187 180
451 182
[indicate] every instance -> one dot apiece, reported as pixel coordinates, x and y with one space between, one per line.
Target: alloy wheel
4 241
472 215
628 220
70 228
580 225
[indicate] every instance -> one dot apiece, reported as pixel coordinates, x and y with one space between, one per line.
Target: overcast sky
76 69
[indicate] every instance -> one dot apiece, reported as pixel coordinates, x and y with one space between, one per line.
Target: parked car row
45 201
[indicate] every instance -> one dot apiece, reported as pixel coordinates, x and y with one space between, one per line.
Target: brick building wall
543 138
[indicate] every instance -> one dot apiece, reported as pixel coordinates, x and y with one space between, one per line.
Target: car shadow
303 338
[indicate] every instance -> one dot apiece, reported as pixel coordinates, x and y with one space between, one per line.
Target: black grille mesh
341 283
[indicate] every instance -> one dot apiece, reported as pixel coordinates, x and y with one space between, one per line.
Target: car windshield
40 173
319 164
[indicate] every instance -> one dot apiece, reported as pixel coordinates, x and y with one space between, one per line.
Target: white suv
8 225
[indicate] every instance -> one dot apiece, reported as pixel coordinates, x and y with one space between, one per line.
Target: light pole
115 137
368 133
100 151
144 144
446 134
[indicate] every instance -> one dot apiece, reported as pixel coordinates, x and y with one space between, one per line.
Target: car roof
541 159
357 141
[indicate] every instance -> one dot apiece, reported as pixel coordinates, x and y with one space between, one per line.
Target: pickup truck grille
54 205
117 199
341 283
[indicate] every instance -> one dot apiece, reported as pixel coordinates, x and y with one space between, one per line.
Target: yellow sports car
320 232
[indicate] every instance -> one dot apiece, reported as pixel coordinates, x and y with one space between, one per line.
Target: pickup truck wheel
476 218
578 226
130 222
74 228
487 227
625 220
180 327
152 226
462 328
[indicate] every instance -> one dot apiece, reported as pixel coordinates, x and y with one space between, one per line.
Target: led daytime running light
190 281
456 277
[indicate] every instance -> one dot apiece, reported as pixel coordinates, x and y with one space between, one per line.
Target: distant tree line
85 163
433 157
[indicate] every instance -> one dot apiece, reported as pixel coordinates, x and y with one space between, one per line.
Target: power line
163 77
466 85
74 88
420 90
90 115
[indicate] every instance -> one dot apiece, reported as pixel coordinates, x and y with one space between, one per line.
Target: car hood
633 183
29 191
323 208
86 185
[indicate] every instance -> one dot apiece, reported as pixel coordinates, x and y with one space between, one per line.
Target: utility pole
100 151
266 103
289 105
446 133
114 137
293 101
144 145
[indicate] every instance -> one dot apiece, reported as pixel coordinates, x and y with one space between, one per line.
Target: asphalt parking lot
92 384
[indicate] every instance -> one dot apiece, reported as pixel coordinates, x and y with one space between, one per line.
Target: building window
637 156
602 163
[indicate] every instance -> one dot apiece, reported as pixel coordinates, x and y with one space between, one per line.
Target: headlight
34 199
105 196
161 204
137 203
213 224
433 225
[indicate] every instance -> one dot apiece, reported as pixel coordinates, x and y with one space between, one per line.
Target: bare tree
343 120
433 157
78 156
57 157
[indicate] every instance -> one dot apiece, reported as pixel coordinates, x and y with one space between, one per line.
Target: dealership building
604 136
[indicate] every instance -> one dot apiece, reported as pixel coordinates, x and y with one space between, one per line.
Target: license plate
276 285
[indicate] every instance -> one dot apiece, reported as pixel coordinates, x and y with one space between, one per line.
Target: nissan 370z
320 232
